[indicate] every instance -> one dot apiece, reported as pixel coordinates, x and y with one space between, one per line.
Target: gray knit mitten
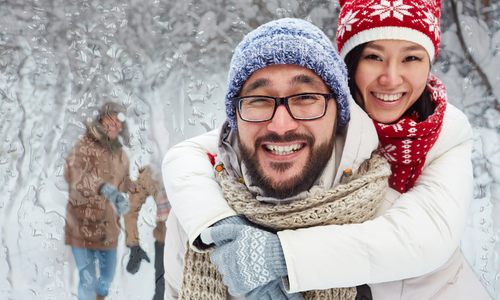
235 220
246 256
274 290
112 194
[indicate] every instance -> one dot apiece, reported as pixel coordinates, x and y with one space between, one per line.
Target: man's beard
315 163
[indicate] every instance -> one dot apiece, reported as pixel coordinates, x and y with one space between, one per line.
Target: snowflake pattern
386 152
397 8
398 127
346 23
433 23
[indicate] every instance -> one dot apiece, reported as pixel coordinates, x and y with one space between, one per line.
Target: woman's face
112 126
391 75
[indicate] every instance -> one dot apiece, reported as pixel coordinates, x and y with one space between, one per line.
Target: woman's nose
391 76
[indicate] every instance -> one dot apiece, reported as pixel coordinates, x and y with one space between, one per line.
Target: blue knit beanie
288 41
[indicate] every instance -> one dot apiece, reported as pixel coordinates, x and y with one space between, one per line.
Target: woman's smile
391 76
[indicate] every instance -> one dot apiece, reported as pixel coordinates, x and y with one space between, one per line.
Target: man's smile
284 149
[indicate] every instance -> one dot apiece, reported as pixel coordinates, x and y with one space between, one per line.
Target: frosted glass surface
166 62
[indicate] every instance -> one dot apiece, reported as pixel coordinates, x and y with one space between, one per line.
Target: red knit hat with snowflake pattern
362 21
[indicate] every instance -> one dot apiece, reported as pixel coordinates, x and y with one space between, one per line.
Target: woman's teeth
387 97
283 150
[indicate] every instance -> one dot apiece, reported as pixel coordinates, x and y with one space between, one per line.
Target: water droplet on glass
197 112
49 272
481 193
199 84
12 148
54 236
143 126
151 223
485 281
36 232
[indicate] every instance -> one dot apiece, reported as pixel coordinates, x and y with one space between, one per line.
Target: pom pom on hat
362 21
288 41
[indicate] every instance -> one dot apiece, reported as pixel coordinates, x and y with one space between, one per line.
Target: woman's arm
189 179
415 236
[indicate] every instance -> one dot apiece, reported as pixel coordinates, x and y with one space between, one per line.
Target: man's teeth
386 97
283 150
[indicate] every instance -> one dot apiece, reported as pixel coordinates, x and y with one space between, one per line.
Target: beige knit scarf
354 202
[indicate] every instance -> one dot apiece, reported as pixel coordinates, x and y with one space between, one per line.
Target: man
286 139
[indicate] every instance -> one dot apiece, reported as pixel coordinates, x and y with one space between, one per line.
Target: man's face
284 156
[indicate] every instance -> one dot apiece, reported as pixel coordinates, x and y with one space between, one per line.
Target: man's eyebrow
255 85
305 79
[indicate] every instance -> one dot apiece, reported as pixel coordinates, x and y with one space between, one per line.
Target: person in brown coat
97 171
139 191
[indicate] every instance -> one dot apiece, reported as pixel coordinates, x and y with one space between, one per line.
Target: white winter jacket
414 236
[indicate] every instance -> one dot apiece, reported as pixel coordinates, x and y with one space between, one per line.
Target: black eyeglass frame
282 100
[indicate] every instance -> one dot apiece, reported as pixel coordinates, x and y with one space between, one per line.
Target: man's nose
282 122
391 76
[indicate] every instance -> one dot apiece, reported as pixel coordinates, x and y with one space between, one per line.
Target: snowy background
166 61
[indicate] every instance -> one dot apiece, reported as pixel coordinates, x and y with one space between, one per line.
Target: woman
414 241
93 222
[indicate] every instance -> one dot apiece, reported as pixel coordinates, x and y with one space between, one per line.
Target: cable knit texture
354 202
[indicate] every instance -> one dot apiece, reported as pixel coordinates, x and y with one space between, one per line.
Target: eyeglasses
307 106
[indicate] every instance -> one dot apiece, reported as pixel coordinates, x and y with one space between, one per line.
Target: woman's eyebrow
414 48
408 48
374 46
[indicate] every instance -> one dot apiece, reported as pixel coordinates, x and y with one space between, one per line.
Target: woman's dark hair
424 107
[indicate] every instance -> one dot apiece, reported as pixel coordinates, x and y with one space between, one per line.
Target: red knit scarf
406 143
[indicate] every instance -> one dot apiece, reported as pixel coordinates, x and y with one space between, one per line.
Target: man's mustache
288 137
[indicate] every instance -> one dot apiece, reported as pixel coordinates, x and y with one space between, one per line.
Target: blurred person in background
149 183
97 171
